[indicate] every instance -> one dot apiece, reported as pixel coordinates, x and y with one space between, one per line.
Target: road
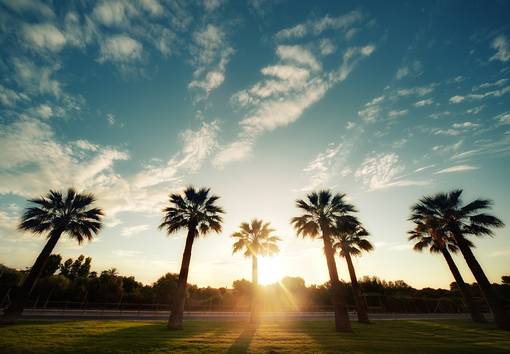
56 314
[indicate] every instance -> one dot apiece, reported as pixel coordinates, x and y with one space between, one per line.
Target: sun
270 270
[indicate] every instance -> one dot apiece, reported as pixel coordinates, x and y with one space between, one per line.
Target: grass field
240 337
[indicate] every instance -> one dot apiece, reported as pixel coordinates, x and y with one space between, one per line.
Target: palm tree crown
350 237
452 216
71 214
194 209
428 233
322 211
256 239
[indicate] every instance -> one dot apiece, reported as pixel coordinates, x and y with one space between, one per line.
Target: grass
240 337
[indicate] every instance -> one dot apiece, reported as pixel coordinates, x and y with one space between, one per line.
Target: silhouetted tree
429 234
321 212
464 220
350 240
255 239
197 212
54 215
165 288
52 265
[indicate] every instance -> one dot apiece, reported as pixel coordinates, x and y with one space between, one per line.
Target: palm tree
428 234
464 220
53 215
349 238
256 240
197 212
321 212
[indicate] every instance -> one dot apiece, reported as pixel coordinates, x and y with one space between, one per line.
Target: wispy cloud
455 169
502 47
121 49
396 114
383 171
415 69
211 53
371 110
318 26
133 230
327 165
295 83
44 36
423 103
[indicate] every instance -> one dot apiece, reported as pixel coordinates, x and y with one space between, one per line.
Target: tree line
72 284
443 223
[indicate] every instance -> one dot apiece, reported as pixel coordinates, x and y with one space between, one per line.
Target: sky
263 102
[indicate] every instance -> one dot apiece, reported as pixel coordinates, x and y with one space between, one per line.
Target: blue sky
263 102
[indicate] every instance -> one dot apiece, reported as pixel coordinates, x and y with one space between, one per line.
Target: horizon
262 104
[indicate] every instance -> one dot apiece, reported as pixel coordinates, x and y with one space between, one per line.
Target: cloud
287 89
210 55
110 118
10 97
114 13
486 85
500 44
421 169
396 114
34 161
480 96
414 91
457 99
456 129
504 118
326 46
414 70
31 143
298 55
44 111
383 171
371 109
316 27
211 5
36 79
465 154
236 151
120 48
350 125
43 36
34 6
328 165
133 230
423 103
402 72
459 168
475 110
197 147
465 125
152 6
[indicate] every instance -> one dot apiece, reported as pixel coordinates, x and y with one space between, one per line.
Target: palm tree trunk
496 304
255 311
473 307
342 322
177 308
361 306
15 309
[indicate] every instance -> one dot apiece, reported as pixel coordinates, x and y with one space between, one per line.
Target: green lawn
240 337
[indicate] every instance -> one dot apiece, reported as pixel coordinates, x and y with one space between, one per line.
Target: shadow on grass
408 337
242 343
148 338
